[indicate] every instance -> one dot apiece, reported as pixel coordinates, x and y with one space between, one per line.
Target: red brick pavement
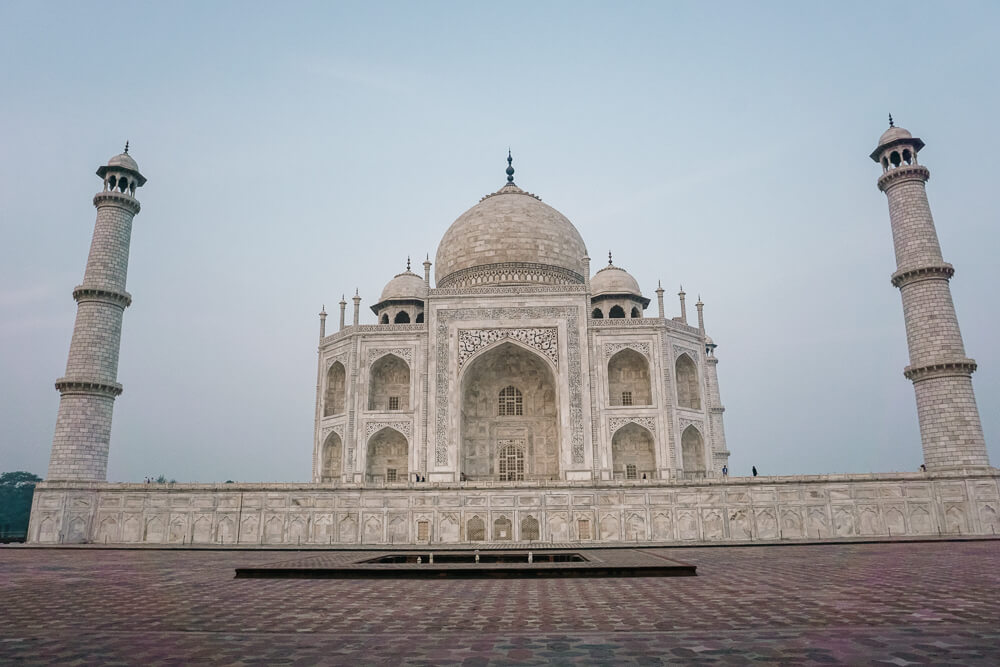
895 603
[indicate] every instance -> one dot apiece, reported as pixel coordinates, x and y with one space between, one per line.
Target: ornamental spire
407 263
609 259
890 121
126 147
510 168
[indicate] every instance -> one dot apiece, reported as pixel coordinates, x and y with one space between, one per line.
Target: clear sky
298 151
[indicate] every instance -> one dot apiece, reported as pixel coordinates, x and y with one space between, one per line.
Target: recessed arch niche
332 458
389 378
628 379
388 457
488 426
336 381
692 452
633 454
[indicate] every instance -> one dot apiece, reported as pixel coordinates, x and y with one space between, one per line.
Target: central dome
510 238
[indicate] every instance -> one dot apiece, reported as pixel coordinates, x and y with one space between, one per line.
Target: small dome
894 134
613 280
124 161
506 236
406 285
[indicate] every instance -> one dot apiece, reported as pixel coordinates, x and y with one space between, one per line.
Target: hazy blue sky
297 151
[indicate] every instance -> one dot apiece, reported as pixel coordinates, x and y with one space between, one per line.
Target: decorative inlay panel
616 423
697 423
678 351
545 340
336 428
611 349
404 353
404 427
571 316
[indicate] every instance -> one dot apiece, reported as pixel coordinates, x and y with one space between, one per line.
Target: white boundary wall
730 510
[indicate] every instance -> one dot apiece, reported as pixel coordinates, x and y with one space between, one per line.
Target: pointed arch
332 458
616 313
636 313
336 384
389 378
597 314
688 386
509 396
693 451
633 453
420 318
502 529
628 379
402 317
475 530
384 319
388 457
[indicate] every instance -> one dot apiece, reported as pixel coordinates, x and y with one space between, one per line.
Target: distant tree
16 491
162 479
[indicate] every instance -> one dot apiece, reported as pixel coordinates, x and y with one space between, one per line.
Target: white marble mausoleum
523 396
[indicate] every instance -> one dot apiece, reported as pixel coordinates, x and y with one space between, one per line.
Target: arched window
628 379
529 528
476 530
597 314
511 402
502 530
692 452
420 318
635 312
385 318
333 402
616 312
511 464
688 394
402 317
895 159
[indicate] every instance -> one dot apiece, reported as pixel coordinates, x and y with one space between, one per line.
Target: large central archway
509 416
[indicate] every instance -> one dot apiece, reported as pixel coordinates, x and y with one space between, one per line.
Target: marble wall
731 510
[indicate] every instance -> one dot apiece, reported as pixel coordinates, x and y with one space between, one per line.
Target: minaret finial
890 121
407 263
609 258
126 147
510 167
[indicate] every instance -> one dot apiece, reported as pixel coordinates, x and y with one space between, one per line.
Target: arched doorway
389 384
632 453
628 379
693 452
388 457
510 424
332 456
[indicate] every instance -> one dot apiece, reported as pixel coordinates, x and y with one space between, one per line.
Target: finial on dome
891 124
407 263
126 147
510 167
609 259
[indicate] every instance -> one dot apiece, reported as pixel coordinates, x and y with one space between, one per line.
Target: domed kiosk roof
123 162
510 237
895 135
406 285
614 280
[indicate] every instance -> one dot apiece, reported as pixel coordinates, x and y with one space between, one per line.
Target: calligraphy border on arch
610 349
404 427
648 423
678 351
570 314
404 353
697 423
541 339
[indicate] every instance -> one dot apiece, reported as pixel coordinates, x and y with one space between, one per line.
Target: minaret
343 305
322 322
659 299
357 307
720 454
89 388
684 312
950 429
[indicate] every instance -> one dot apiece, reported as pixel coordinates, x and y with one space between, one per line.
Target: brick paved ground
918 603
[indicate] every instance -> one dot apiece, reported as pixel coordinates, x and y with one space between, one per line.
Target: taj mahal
523 395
